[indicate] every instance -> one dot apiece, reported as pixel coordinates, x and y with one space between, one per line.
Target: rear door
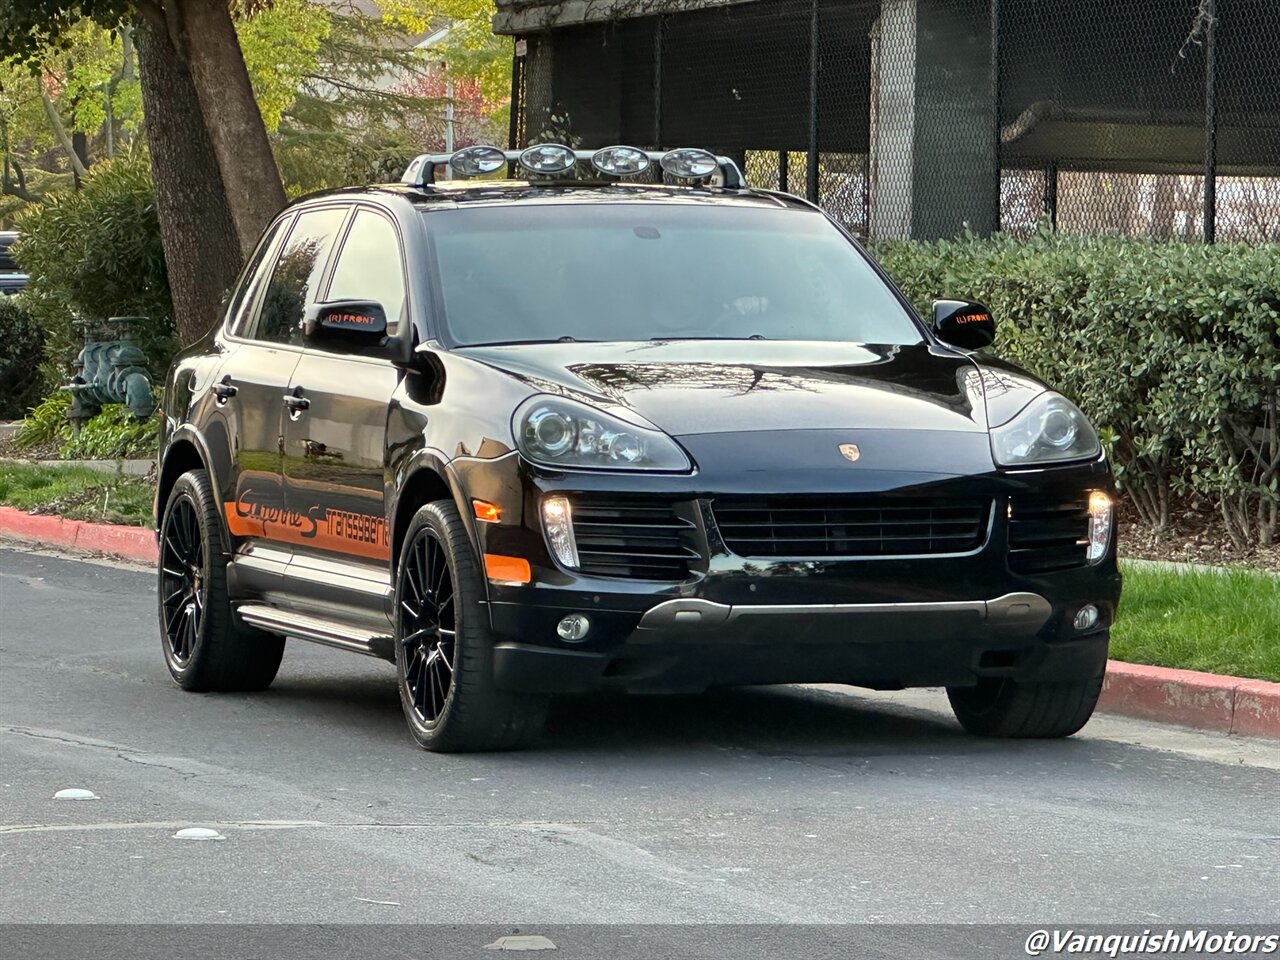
253 382
335 448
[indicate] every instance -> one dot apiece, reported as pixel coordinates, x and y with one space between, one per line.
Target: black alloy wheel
427 627
182 583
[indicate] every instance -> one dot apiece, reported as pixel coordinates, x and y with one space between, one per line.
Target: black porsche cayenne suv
636 429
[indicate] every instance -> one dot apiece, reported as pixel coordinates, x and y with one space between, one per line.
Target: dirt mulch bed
1196 535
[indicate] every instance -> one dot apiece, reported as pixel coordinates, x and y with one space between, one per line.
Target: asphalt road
764 806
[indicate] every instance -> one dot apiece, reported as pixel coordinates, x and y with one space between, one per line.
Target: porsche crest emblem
850 451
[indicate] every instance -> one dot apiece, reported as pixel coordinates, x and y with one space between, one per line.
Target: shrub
113 434
21 349
95 253
1172 349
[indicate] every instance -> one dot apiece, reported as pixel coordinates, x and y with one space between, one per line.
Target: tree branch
60 132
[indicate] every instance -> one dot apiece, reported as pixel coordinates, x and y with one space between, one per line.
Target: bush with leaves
1172 349
95 253
21 349
113 434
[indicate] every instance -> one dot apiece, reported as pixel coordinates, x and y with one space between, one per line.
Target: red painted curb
132 543
1206 701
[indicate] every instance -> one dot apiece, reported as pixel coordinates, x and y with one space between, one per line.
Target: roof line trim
537 17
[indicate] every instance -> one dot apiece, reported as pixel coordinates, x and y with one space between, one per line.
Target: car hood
695 387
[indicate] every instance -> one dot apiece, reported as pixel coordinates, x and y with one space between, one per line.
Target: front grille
638 541
849 526
1047 533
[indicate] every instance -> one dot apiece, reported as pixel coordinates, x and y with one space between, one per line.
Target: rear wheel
1009 709
204 647
444 651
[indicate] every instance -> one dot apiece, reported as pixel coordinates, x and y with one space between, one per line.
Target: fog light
1100 512
557 521
573 627
1086 617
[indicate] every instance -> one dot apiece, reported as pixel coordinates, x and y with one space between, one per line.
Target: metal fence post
811 179
995 102
1209 10
657 82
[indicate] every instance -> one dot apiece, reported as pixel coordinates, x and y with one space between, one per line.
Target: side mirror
345 325
963 324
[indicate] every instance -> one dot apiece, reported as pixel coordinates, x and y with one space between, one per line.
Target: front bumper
885 623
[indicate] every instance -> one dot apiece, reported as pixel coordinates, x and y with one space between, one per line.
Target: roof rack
553 159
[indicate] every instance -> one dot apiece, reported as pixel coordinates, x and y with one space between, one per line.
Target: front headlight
559 432
1050 428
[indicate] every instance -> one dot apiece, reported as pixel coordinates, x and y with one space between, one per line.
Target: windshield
656 271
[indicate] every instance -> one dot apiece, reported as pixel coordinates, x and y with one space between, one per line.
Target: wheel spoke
418 635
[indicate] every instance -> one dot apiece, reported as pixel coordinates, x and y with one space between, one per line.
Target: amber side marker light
507 569
486 511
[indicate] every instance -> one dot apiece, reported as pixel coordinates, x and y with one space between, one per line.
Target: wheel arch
428 480
186 451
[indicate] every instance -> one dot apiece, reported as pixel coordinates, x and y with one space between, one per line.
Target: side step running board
316 630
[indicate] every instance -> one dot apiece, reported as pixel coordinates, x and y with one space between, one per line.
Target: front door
335 443
253 385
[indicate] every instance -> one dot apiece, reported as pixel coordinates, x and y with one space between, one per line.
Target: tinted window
369 266
297 274
254 276
651 271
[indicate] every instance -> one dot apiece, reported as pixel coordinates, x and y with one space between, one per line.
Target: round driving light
548 158
473 161
573 627
1058 428
1086 617
689 163
620 161
627 446
551 432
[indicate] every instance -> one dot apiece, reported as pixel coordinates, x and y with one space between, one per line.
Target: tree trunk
201 249
231 114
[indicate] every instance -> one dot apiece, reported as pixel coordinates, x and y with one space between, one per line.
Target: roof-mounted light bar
555 159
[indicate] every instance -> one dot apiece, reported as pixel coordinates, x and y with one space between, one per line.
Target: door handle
224 389
296 402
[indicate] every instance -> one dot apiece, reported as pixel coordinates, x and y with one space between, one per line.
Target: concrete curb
132 543
1229 705
1207 701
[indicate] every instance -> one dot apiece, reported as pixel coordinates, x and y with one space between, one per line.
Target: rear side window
255 274
369 266
296 276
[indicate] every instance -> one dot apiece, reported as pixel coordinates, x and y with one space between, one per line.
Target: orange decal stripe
355 534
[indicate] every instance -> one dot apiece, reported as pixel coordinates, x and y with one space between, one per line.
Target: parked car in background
12 279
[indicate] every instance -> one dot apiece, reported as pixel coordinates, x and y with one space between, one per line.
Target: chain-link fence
919 118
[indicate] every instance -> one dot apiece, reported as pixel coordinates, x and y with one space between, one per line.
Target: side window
297 274
370 267
255 274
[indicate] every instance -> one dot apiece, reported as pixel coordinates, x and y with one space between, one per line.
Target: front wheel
444 650
1039 710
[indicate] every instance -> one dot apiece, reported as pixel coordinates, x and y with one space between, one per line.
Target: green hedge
21 349
95 253
1173 350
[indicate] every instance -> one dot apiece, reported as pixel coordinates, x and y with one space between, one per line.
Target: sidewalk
1207 701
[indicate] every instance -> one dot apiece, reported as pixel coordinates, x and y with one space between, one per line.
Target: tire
205 647
444 650
1043 710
